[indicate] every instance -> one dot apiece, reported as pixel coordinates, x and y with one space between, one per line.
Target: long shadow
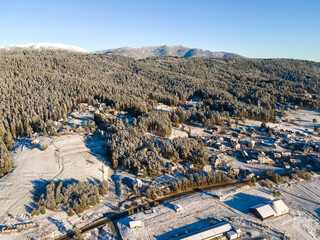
187 229
242 202
318 212
59 225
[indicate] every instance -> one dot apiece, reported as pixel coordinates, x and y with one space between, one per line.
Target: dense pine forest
39 87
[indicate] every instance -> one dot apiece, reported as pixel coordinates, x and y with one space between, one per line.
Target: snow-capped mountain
166 50
137 53
44 46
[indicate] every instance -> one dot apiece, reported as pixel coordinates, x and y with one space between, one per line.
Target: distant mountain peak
44 46
165 50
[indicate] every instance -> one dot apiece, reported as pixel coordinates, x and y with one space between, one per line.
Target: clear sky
252 28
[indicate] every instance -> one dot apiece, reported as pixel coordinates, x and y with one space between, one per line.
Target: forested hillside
38 87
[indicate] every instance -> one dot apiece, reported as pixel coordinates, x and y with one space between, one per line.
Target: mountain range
137 53
166 50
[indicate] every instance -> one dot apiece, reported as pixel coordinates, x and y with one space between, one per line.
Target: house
265 160
275 145
248 174
253 161
190 165
177 207
251 144
276 155
295 161
135 224
261 154
243 130
286 165
171 166
219 139
307 149
209 142
35 142
217 161
286 154
236 145
244 154
217 129
221 147
137 183
234 171
214 133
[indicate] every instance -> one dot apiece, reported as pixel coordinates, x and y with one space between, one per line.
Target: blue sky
253 28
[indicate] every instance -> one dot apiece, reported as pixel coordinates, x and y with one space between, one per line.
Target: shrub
43 147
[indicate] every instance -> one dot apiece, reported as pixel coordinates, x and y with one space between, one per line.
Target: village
246 152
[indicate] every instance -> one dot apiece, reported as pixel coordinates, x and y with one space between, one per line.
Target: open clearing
68 157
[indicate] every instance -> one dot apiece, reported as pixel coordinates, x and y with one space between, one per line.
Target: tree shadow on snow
59 225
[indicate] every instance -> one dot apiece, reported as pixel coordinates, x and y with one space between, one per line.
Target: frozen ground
68 157
203 209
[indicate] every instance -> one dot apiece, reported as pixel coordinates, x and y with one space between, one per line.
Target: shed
135 224
177 207
232 235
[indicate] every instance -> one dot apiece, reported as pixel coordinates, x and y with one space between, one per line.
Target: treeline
192 180
38 86
75 197
6 163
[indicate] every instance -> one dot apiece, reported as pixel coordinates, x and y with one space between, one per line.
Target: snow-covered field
303 119
68 157
203 209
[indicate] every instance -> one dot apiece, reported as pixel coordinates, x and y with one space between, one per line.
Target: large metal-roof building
270 209
210 232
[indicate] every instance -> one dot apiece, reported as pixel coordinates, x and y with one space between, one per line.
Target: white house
135 224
